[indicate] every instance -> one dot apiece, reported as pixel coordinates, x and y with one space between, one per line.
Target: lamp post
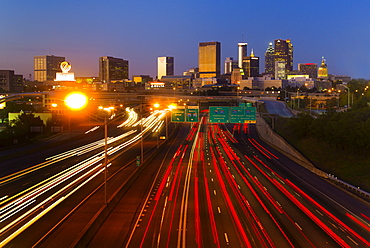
156 106
108 111
78 101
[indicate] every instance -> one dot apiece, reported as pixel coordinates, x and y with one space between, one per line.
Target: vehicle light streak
365 216
92 129
210 211
76 183
132 118
231 207
255 144
332 234
310 199
48 185
233 158
196 203
358 221
23 202
185 196
355 234
242 200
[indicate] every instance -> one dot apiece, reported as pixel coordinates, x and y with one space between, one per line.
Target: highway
211 185
221 189
33 190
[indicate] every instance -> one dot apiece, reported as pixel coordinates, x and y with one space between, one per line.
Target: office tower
112 69
165 67
242 53
284 52
309 69
280 69
10 82
251 66
46 67
323 70
209 54
230 64
269 59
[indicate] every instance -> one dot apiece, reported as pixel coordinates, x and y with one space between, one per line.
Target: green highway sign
241 114
237 115
219 114
245 104
250 115
178 115
192 114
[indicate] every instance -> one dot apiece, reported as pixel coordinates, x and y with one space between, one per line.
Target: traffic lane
66 234
275 183
222 222
249 234
328 195
338 214
149 222
279 108
37 153
269 214
36 173
125 161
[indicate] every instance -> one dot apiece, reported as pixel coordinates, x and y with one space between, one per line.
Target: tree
301 125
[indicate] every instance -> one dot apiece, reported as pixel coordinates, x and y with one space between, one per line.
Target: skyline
142 31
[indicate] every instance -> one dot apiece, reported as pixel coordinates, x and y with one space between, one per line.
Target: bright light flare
76 101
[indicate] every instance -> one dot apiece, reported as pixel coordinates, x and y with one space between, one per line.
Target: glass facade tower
46 67
112 69
209 55
165 67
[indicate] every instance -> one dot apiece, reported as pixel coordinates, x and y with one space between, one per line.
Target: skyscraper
112 69
242 53
251 66
309 69
209 54
165 67
11 82
46 67
280 69
230 64
284 52
269 59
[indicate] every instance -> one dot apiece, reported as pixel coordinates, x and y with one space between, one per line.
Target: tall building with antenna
251 66
269 60
284 53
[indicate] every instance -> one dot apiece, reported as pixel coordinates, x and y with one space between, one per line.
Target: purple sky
141 30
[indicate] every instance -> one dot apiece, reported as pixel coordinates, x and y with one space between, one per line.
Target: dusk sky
141 30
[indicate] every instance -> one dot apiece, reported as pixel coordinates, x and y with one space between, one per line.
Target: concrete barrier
269 136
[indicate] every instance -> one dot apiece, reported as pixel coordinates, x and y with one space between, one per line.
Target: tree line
347 130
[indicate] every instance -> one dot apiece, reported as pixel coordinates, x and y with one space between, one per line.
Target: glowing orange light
76 101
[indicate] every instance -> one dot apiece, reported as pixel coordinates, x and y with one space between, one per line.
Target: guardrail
356 190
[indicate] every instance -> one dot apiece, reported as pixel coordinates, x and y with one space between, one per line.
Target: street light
74 101
78 101
108 111
156 106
